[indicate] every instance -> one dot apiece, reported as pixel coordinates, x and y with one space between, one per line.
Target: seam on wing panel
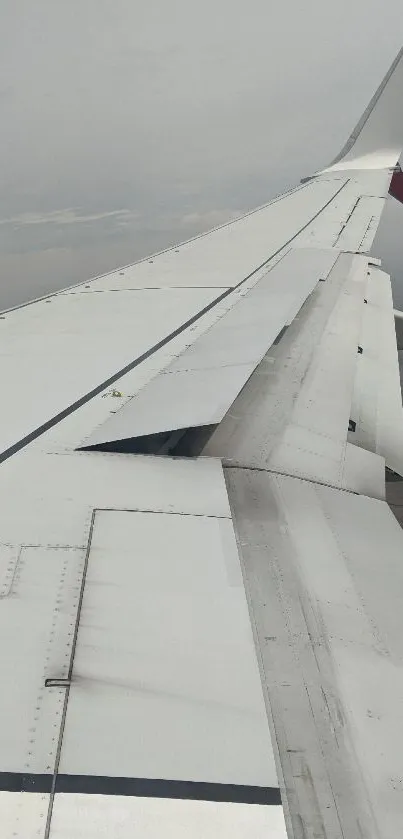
349 217
160 512
69 675
305 480
228 465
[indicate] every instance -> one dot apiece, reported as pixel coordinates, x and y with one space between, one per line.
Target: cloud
70 215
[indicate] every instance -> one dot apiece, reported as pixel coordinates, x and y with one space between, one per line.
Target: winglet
377 139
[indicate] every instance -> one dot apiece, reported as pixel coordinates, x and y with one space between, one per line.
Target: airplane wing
200 578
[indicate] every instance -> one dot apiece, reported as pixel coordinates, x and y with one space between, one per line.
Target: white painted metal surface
54 529
23 814
43 552
336 562
293 415
324 575
72 484
377 402
359 231
334 219
53 352
36 615
314 440
199 386
91 817
165 677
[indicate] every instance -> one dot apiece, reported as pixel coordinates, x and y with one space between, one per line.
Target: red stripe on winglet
396 186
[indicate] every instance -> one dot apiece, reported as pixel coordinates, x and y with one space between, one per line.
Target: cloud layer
128 126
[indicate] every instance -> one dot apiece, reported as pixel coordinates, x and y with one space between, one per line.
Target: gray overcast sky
128 125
